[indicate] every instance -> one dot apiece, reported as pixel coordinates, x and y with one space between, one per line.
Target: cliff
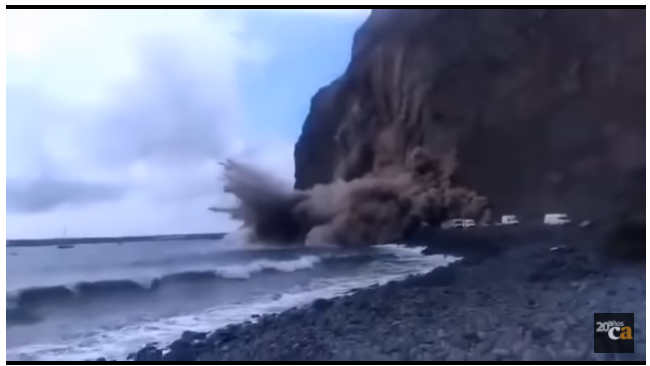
542 110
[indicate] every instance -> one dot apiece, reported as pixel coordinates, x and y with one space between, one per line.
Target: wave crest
19 300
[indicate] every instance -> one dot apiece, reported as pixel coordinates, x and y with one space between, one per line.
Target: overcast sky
116 119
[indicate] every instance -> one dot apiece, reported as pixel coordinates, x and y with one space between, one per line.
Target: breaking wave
117 341
18 300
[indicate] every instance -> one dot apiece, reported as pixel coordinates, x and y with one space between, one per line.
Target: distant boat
65 236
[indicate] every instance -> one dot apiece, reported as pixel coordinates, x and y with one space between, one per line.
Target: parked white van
454 223
458 223
508 220
556 219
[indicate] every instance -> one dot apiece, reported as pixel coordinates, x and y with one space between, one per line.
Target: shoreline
531 301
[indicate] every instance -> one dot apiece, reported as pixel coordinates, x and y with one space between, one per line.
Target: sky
117 119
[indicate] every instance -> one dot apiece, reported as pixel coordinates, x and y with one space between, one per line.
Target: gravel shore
530 302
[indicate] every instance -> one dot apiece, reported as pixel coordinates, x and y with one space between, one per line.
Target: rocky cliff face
542 110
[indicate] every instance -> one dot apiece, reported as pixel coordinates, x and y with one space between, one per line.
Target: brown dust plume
374 209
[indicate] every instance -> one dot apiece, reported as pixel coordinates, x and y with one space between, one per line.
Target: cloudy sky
116 119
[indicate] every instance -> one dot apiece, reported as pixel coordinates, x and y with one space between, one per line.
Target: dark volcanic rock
486 311
149 354
321 304
627 240
544 109
181 350
191 336
489 311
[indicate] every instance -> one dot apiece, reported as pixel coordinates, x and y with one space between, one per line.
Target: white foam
117 343
146 278
404 251
248 269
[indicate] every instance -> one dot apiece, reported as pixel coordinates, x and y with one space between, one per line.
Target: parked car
556 219
458 223
453 223
507 220
585 224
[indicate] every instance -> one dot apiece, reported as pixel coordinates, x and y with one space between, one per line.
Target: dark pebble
189 335
540 333
182 355
149 354
471 337
222 336
180 344
321 304
181 350
612 292
441 277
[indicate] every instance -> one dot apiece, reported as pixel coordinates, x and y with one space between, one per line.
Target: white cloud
116 118
79 54
146 100
34 32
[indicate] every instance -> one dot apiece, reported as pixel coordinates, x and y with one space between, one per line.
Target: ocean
108 300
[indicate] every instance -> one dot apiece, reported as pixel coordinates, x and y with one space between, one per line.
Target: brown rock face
541 110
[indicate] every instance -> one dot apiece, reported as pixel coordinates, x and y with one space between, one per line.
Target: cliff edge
543 110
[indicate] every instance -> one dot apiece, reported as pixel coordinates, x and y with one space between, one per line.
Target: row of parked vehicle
549 219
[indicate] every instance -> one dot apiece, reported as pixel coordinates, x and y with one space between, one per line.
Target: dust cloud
380 207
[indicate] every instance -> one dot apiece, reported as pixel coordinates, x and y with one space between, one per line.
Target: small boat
65 236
